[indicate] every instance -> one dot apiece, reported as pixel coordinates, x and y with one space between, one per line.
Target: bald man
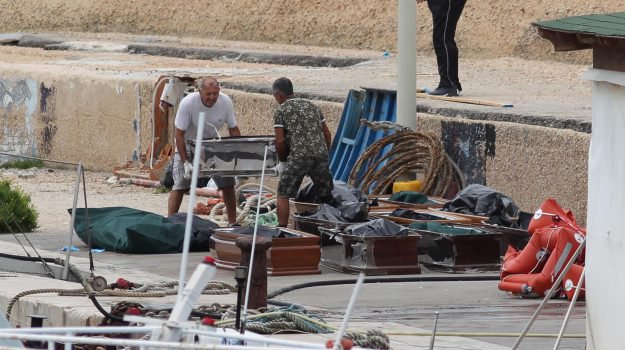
219 111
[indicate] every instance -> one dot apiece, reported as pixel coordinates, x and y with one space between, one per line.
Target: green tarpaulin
127 230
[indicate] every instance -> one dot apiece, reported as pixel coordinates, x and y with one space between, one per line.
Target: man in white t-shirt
219 111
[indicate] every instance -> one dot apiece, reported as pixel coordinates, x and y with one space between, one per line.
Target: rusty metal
258 284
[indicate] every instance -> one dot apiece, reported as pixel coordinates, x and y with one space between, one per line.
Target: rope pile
280 320
373 339
375 172
158 290
245 215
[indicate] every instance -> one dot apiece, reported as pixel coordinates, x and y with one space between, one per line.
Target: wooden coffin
467 248
298 254
371 255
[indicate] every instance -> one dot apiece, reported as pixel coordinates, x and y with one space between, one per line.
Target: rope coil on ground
374 172
373 339
279 320
158 290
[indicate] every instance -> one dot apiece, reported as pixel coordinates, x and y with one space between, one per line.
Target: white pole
189 222
407 63
348 312
72 222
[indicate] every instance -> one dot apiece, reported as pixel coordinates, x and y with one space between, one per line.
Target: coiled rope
373 339
244 213
158 290
280 320
374 172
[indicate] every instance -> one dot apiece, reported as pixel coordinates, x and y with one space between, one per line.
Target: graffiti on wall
18 104
469 145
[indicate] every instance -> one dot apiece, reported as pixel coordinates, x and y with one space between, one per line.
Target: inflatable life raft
555 236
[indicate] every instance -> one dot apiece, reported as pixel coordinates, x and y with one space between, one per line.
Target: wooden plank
464 100
131 174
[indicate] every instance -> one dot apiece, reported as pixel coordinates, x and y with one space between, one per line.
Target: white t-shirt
189 110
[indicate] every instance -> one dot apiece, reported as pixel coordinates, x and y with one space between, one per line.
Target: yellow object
414 186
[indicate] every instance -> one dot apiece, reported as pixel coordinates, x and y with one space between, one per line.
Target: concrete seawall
104 121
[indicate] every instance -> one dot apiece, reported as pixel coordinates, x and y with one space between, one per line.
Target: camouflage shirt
301 121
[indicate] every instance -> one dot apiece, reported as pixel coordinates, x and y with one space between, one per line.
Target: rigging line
19 227
89 233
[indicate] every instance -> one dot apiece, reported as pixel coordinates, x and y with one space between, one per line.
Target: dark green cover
127 230
410 197
446 229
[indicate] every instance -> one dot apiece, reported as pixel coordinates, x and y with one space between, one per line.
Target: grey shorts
181 184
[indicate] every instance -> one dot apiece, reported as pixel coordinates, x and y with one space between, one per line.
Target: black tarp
201 230
349 203
484 201
376 228
341 193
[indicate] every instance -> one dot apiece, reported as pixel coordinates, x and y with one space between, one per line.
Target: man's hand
280 168
188 170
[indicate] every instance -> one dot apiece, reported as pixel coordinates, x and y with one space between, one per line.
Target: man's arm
181 146
281 144
234 131
326 134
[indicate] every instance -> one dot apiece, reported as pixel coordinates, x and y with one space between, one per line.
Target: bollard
258 285
36 321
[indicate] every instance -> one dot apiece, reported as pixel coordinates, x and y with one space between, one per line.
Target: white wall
605 259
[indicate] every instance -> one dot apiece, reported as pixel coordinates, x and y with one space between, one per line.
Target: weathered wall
104 122
486 29
101 121
528 163
71 118
254 112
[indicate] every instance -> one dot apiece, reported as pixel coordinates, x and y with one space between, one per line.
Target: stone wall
105 122
528 163
487 28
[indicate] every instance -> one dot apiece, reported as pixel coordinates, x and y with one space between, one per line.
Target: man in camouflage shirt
302 142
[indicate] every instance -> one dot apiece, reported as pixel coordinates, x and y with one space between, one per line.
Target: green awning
605 25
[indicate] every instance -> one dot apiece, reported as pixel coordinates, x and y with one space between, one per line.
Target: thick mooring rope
158 290
374 173
373 339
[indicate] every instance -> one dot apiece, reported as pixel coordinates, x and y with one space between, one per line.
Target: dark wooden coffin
298 254
370 255
467 248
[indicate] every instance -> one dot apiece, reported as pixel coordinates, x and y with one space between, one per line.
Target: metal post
407 63
240 274
348 312
434 330
189 222
570 310
550 293
72 221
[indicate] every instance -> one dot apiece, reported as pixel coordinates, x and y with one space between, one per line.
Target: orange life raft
555 238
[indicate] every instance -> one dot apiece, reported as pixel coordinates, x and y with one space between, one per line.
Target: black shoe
444 91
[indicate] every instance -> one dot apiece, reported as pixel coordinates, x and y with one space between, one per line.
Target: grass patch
22 164
16 210
162 189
